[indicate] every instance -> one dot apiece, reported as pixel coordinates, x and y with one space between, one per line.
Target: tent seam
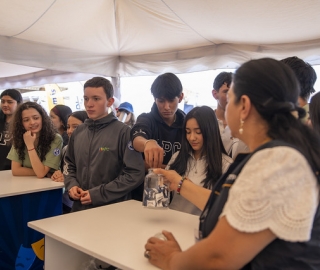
186 23
36 19
116 24
117 33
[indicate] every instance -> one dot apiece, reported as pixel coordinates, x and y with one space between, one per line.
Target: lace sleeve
276 190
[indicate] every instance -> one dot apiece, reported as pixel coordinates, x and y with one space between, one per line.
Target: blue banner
21 247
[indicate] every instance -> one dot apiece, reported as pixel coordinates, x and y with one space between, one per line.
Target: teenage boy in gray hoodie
101 165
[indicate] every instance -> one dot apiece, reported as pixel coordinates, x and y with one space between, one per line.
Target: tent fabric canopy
58 39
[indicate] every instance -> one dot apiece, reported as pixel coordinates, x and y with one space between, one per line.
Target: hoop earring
241 126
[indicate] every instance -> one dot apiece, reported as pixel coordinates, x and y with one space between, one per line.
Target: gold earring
241 126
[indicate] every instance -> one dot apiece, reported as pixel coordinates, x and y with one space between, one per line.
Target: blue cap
125 106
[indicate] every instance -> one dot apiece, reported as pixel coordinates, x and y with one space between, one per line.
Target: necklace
195 166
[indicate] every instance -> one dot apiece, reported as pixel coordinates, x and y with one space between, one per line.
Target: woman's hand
57 176
172 178
29 139
160 252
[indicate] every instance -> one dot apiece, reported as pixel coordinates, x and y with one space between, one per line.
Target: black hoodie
5 143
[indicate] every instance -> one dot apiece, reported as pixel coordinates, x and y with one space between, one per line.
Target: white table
22 199
17 185
115 234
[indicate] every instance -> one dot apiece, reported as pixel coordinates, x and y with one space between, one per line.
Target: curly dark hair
47 133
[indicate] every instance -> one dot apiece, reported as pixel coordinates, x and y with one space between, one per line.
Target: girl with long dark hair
36 147
10 100
59 115
202 156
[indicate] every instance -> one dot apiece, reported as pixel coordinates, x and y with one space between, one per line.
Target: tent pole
116 86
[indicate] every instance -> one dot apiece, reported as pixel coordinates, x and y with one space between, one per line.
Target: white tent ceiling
58 39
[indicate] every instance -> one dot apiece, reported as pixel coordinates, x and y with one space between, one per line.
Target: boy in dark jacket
101 165
158 134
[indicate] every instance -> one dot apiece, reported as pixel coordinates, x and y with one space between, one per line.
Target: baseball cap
125 106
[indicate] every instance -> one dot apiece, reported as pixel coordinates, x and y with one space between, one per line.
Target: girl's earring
241 126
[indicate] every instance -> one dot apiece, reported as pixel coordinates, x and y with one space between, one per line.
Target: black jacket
5 144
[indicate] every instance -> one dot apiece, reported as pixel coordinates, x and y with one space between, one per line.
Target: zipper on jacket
89 164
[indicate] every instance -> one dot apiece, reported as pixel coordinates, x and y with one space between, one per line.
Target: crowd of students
249 169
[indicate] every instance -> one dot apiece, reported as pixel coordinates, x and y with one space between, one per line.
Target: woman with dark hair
36 147
10 99
202 156
314 111
263 213
59 116
74 120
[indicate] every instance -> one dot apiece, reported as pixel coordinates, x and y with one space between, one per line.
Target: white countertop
16 185
117 233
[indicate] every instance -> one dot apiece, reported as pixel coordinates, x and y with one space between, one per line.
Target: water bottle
156 194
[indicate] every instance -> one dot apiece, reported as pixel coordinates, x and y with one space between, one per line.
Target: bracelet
180 184
144 146
30 149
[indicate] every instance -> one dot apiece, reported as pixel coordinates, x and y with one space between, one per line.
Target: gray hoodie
100 158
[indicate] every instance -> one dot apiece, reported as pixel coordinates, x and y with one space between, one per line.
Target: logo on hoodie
56 152
139 131
130 146
104 149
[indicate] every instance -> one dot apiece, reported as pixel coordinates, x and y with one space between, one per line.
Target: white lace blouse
276 190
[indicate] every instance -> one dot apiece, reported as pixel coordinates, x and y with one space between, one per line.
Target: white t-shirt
276 190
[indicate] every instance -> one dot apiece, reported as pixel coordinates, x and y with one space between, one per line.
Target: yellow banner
54 95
